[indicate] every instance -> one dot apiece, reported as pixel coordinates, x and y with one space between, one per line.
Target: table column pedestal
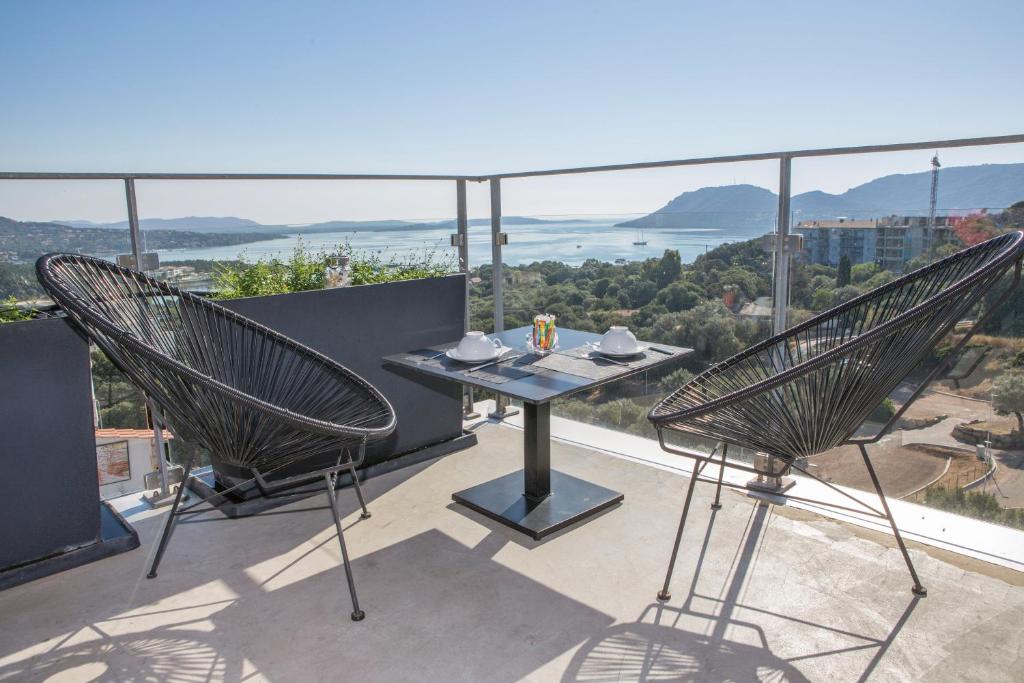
537 501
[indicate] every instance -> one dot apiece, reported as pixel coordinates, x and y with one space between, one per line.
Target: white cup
475 346
618 339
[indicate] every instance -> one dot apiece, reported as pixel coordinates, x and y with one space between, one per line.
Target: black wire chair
257 399
810 388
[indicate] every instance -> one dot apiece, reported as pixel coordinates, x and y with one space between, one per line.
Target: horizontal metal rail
20 175
695 161
770 156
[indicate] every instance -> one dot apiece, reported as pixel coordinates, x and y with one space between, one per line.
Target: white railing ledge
993 543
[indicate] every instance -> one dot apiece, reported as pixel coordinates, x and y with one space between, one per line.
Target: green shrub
304 271
976 504
621 414
10 313
883 411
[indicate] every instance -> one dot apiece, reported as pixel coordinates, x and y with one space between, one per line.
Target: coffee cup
619 340
476 346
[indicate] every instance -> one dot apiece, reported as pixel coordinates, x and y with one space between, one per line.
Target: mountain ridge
752 208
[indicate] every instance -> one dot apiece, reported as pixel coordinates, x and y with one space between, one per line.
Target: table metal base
570 501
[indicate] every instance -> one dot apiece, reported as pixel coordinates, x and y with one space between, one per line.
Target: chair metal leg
357 614
717 505
165 536
359 489
917 589
698 465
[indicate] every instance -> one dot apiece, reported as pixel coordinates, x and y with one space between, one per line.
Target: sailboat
640 241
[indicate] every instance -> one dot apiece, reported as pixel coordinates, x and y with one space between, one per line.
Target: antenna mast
934 196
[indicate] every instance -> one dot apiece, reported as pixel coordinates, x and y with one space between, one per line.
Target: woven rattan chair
810 388
257 399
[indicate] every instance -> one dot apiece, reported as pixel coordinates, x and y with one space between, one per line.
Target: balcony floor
452 596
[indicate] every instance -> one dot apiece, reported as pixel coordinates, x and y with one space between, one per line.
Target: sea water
570 242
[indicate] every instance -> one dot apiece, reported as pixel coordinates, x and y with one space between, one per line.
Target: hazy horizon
454 87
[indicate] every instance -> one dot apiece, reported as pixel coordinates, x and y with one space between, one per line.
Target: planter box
356 326
49 490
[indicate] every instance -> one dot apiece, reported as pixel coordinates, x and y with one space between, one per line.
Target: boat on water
640 241
620 261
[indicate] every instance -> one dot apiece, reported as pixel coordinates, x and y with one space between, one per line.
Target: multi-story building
890 242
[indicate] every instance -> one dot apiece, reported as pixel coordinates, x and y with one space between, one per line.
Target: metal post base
468 410
502 409
717 504
156 500
775 486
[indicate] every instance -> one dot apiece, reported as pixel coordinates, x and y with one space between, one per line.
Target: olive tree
1008 396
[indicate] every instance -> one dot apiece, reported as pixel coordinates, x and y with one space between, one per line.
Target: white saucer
455 355
636 352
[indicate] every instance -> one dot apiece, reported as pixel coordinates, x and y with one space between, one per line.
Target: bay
571 242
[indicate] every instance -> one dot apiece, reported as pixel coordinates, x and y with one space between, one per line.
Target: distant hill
747 209
231 224
190 223
24 241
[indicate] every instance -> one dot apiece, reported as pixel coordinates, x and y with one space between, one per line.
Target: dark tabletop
532 378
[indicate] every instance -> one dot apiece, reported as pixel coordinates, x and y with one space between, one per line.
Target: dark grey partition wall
49 493
356 326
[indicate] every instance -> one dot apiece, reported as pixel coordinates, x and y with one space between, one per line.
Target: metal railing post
497 284
462 229
158 444
781 290
133 221
501 408
136 239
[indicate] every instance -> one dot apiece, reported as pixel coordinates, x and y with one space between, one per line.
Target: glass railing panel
40 216
211 232
674 283
958 447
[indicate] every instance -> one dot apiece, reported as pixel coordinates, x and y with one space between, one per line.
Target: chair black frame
941 306
258 399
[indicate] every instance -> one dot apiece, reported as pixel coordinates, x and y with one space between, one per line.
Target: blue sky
478 87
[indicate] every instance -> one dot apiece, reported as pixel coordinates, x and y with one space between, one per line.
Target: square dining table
539 500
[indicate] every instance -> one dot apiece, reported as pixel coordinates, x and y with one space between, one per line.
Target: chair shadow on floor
668 643
437 610
163 654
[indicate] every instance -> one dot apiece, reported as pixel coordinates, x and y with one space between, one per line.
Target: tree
680 296
822 299
844 294
879 279
1008 396
670 267
709 329
843 274
1014 216
863 272
641 292
975 228
120 403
